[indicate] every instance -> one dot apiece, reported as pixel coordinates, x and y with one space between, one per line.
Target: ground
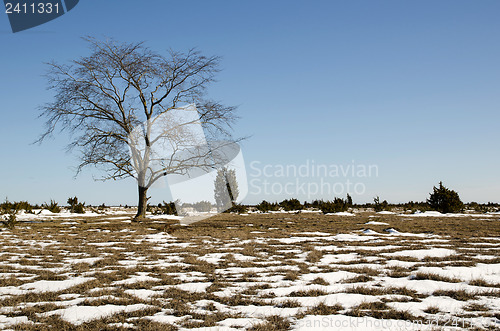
300 271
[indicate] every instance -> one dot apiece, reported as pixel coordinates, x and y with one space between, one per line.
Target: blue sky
411 87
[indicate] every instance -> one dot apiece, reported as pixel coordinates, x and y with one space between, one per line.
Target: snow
487 272
422 253
213 258
140 277
376 223
166 317
10 321
238 322
193 287
263 311
143 293
332 259
313 234
330 277
53 285
81 314
89 260
406 234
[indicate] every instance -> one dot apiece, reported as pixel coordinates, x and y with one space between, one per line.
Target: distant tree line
441 199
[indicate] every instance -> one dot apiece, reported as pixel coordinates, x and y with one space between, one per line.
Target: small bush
9 220
52 207
238 209
445 200
380 206
75 206
291 204
335 206
167 208
265 206
202 206
7 206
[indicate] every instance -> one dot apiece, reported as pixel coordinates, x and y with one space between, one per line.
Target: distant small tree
75 206
202 206
52 207
265 206
291 204
167 208
226 189
445 200
349 200
380 206
335 206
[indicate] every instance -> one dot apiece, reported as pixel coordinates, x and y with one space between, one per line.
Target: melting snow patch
54 285
89 260
368 231
341 213
81 314
329 258
406 234
142 293
330 277
141 277
238 322
422 253
9 321
314 234
166 317
158 237
193 287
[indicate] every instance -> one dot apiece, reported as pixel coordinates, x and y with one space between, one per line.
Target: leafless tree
111 100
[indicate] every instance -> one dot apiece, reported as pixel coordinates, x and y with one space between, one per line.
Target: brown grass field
257 272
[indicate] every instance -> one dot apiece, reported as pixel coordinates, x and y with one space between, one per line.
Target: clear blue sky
412 87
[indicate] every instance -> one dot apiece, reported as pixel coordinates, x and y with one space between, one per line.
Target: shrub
238 209
445 200
335 206
202 206
52 207
380 206
167 208
9 220
265 206
75 206
291 204
6 206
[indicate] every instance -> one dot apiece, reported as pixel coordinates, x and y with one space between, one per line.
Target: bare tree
113 100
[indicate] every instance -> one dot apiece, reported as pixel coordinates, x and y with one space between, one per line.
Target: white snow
81 314
422 253
53 285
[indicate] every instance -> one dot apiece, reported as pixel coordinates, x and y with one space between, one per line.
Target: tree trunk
143 204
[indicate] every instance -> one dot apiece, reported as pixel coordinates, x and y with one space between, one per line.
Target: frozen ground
263 272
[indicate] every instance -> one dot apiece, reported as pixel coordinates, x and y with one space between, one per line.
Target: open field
259 271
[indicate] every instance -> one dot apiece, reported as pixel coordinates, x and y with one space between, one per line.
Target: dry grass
271 259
